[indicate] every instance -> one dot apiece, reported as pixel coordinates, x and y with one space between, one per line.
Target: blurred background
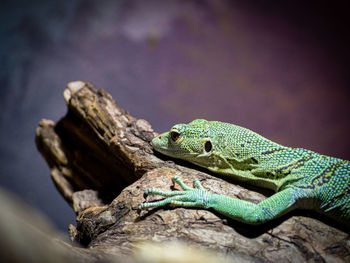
280 68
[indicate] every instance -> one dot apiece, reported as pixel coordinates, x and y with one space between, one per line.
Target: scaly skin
301 178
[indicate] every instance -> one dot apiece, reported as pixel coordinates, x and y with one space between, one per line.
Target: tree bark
101 161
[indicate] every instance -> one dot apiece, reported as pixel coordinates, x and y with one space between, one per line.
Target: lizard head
205 143
191 142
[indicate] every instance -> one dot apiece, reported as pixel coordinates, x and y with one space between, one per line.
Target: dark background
280 68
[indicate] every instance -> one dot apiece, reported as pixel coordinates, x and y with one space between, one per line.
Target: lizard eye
208 146
174 135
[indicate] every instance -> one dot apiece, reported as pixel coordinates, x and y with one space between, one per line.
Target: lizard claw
188 197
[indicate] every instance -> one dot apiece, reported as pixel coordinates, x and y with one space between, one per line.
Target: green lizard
301 178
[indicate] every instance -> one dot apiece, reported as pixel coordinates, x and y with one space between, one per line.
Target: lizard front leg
237 209
189 197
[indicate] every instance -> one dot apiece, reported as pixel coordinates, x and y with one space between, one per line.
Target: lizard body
301 178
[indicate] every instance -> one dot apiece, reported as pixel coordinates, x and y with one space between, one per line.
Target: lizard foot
188 197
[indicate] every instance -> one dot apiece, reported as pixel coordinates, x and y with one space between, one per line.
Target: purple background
281 70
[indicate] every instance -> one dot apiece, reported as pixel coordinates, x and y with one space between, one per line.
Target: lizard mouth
178 155
161 144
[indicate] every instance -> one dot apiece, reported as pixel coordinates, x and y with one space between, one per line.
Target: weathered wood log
101 161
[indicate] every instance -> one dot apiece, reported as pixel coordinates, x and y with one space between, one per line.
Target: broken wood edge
96 137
